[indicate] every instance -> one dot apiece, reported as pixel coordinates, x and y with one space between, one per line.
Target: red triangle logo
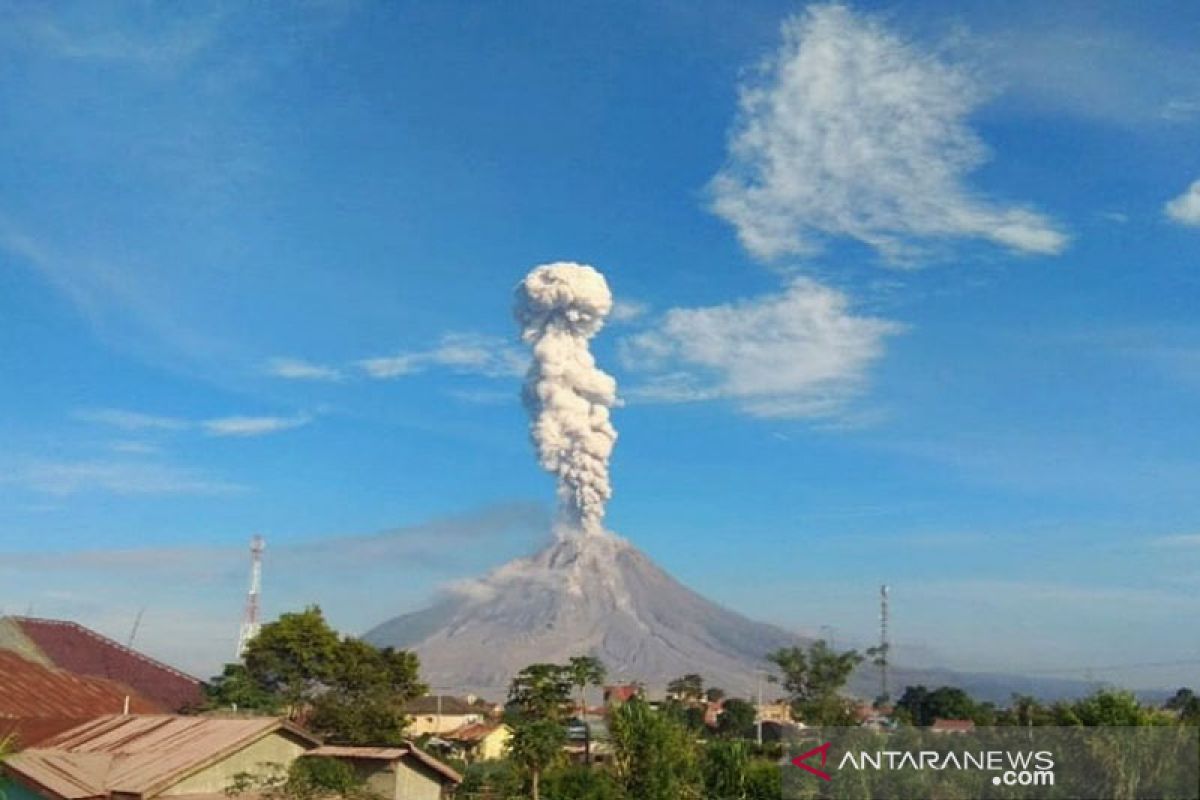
824 751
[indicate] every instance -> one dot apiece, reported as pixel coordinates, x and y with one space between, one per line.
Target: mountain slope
593 594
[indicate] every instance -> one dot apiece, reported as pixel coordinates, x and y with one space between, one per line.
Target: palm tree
586 671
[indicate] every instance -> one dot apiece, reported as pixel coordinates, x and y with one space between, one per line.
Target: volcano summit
593 594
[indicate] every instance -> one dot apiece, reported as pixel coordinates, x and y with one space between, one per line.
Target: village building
441 714
479 741
396 773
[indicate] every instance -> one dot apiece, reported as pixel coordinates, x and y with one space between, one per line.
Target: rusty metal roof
37 701
72 647
139 754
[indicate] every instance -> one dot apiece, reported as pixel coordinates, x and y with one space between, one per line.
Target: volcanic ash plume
559 308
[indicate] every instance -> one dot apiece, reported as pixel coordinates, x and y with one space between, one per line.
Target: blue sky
906 293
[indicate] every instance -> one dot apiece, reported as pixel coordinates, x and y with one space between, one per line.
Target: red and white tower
250 623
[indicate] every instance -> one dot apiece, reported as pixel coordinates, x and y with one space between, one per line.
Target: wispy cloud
116 477
466 353
850 131
252 426
799 353
1185 209
1179 540
238 425
628 310
300 370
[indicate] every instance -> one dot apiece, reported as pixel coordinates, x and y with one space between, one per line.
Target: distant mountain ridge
600 595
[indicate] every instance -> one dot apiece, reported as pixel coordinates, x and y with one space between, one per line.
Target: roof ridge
65 623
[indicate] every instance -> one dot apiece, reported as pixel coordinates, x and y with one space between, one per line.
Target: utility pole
250 623
137 623
884 644
758 720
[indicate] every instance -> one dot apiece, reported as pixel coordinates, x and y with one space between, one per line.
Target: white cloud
850 131
251 426
116 477
628 310
1179 540
466 353
131 420
237 425
300 370
1185 209
799 353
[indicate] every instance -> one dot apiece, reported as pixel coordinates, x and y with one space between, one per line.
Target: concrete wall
415 783
268 757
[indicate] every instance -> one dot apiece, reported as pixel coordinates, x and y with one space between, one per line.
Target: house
73 648
440 714
140 757
952 726
777 711
38 701
396 773
621 693
480 741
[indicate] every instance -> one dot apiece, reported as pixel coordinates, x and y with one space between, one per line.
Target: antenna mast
250 623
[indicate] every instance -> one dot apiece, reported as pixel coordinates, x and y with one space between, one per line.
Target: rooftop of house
389 755
473 732
137 754
952 726
38 700
74 648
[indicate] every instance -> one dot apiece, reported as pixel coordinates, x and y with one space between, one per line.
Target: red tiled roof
38 701
74 648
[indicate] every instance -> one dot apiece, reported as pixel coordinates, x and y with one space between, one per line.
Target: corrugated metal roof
37 701
145 753
72 647
75 776
346 751
411 751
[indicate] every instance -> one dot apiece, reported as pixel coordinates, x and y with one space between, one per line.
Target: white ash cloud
559 308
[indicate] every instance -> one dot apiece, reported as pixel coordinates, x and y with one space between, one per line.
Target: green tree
294 658
813 678
1110 707
535 746
736 718
724 768
541 691
577 782
1186 704
654 755
714 694
586 671
235 688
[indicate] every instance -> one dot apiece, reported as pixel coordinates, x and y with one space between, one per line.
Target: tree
235 688
536 745
921 707
813 679
1186 704
724 769
349 691
654 757
586 671
714 694
541 691
689 688
736 718
294 657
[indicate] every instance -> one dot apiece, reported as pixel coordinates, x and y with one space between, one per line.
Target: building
73 648
140 757
38 701
480 741
440 714
952 726
621 693
396 773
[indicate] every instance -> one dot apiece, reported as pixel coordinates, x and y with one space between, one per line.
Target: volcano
593 594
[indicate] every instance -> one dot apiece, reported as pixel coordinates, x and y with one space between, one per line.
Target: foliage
736 718
309 778
492 779
577 782
714 694
541 691
351 692
655 756
920 706
235 688
535 746
813 679
1186 704
724 768
585 671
